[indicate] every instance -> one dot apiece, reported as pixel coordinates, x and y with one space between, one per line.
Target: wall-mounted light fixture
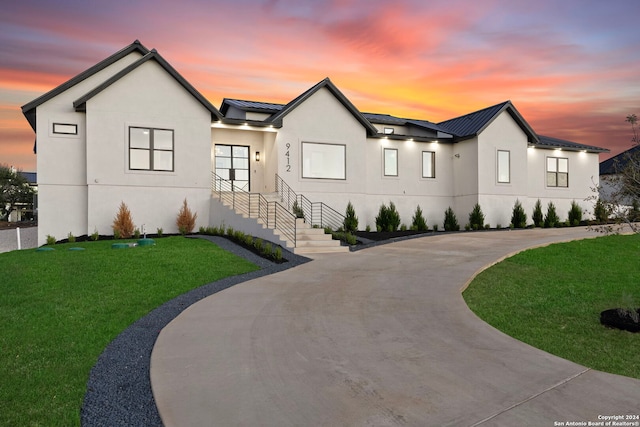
257 156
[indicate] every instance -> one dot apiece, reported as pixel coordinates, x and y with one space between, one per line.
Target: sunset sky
571 67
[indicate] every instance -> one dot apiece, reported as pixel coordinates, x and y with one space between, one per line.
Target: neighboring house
610 172
132 129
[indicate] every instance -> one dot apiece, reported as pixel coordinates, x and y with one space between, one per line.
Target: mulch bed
386 235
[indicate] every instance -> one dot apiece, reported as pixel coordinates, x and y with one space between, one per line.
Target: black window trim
557 172
151 149
75 126
433 164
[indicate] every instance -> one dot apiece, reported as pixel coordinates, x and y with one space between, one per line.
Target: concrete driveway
379 337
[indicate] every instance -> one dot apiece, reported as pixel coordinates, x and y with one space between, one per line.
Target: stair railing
255 205
317 214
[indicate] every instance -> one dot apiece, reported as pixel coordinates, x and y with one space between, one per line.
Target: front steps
309 240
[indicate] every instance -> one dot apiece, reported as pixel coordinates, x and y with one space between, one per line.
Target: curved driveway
379 337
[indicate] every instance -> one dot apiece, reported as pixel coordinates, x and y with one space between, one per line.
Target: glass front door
232 164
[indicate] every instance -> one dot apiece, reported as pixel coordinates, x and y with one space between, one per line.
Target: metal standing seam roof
472 124
252 106
548 141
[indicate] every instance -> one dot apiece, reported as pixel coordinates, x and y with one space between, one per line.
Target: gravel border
119 386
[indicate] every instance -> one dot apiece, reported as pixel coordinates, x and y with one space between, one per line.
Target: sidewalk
9 239
379 337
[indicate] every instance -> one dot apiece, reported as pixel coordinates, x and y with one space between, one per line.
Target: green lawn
59 310
552 297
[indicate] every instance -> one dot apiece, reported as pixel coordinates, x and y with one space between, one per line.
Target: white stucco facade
319 144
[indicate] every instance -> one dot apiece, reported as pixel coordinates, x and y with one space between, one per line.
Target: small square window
389 131
151 149
557 172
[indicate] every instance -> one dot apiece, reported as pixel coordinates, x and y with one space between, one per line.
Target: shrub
551 218
368 229
450 221
186 220
403 227
136 233
388 218
202 230
267 250
95 236
123 223
476 217
277 255
51 240
601 212
538 219
518 217
435 227
229 232
258 244
467 227
71 238
248 240
350 223
159 231
575 214
297 210
418 222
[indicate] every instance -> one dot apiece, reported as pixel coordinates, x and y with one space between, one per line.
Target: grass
59 310
551 298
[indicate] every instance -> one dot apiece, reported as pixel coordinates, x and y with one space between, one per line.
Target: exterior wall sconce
257 156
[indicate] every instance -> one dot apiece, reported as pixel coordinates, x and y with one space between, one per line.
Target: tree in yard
186 220
14 190
350 223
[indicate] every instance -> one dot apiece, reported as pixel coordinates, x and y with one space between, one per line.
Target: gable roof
29 109
277 117
472 124
614 164
386 119
550 142
153 55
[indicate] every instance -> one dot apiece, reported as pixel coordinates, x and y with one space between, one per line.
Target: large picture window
504 166
324 161
150 149
390 162
428 164
557 172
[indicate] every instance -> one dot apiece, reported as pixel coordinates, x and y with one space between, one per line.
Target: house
610 170
132 129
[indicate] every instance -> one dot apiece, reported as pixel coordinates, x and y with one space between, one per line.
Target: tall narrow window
390 162
150 149
428 164
557 172
504 173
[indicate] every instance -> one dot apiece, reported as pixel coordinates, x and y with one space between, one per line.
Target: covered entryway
232 163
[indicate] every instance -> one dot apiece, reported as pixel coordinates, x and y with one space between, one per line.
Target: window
557 172
65 128
390 162
504 173
150 149
428 164
324 161
389 131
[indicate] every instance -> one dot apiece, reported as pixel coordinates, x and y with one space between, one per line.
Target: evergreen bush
350 223
418 222
601 212
450 220
518 216
575 214
551 219
538 218
476 218
388 218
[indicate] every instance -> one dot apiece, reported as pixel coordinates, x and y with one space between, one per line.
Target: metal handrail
272 214
316 214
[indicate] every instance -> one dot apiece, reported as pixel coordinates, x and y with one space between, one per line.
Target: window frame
151 149
304 170
433 164
384 161
556 172
499 169
62 132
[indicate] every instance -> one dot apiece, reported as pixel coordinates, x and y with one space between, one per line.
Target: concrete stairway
308 240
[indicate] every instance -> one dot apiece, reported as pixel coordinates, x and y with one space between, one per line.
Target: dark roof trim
80 104
255 123
555 143
472 124
326 83
415 138
29 109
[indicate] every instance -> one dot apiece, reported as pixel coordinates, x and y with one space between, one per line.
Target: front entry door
232 163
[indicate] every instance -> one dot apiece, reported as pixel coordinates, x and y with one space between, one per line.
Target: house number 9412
287 156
